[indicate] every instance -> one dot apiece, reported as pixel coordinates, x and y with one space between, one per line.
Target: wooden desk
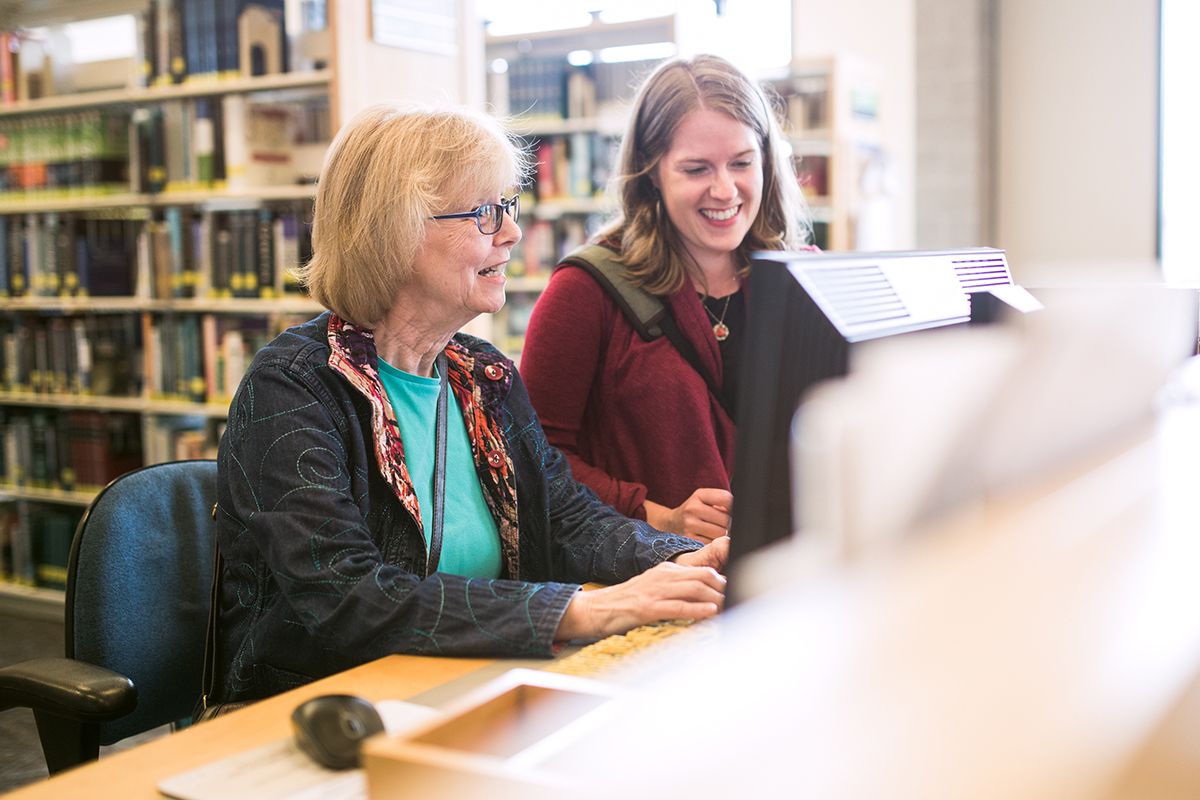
133 774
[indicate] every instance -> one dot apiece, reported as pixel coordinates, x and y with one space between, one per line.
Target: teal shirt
470 540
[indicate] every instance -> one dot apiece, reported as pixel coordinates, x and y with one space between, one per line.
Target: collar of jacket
480 381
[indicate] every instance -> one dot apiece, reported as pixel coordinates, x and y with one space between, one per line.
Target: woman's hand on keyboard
714 554
668 591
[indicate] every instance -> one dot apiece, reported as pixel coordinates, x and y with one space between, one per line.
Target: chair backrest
138 588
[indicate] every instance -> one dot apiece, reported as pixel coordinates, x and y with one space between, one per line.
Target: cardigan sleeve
561 368
290 526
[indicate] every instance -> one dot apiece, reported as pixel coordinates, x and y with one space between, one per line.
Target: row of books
202 39
180 438
549 88
544 243
75 154
177 41
232 142
35 543
246 253
200 358
188 357
186 253
807 100
577 165
77 450
88 355
181 145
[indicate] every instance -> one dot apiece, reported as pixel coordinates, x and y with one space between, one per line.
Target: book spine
82 380
161 247
265 233
60 366
202 242
18 277
23 571
208 344
173 218
4 290
202 142
236 151
144 282
147 48
8 83
62 438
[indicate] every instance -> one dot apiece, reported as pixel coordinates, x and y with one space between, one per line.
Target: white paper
281 771
1017 297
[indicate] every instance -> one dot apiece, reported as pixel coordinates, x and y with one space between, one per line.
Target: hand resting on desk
688 588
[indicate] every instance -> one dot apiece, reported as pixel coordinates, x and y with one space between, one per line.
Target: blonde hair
651 250
387 171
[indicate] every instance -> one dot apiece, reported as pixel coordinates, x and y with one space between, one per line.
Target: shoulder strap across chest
648 314
643 310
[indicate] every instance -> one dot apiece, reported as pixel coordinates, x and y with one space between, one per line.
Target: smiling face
458 272
711 182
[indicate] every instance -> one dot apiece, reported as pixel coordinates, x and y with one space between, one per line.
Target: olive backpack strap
648 315
643 310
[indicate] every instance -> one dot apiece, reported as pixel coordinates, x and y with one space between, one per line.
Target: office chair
136 609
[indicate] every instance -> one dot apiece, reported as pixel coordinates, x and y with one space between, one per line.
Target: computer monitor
806 311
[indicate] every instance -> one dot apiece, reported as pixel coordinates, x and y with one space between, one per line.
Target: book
236 151
179 245
160 240
176 137
104 445
18 277
265 255
81 379
22 545
4 290
203 141
146 55
53 531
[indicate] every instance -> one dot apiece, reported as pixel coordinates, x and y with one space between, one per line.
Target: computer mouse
331 728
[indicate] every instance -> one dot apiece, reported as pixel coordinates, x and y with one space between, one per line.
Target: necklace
720 329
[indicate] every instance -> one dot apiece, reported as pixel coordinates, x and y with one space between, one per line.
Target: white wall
1077 145
955 120
883 32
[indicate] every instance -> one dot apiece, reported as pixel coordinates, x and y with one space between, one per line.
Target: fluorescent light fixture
537 20
580 58
102 39
637 52
634 10
498 66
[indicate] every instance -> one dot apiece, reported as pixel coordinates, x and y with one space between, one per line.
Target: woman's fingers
715 555
705 515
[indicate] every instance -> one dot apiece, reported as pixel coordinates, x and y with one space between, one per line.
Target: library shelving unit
573 118
133 360
833 125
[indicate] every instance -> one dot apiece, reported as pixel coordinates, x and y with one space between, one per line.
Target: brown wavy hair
651 248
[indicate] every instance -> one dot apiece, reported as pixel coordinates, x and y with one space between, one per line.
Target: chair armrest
67 688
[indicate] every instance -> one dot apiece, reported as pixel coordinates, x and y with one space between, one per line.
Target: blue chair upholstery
137 607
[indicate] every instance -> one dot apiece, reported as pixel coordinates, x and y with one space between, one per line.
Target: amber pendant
722 331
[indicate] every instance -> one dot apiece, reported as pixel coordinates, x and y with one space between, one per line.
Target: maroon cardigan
634 419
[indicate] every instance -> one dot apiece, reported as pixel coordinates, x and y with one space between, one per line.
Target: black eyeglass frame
511 206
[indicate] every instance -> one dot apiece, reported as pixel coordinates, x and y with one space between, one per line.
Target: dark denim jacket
323 551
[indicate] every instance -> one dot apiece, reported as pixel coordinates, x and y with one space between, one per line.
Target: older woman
385 486
704 179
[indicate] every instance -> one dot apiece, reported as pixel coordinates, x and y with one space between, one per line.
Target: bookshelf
130 303
833 126
572 117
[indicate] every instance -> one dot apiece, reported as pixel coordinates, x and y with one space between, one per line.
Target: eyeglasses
489 216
